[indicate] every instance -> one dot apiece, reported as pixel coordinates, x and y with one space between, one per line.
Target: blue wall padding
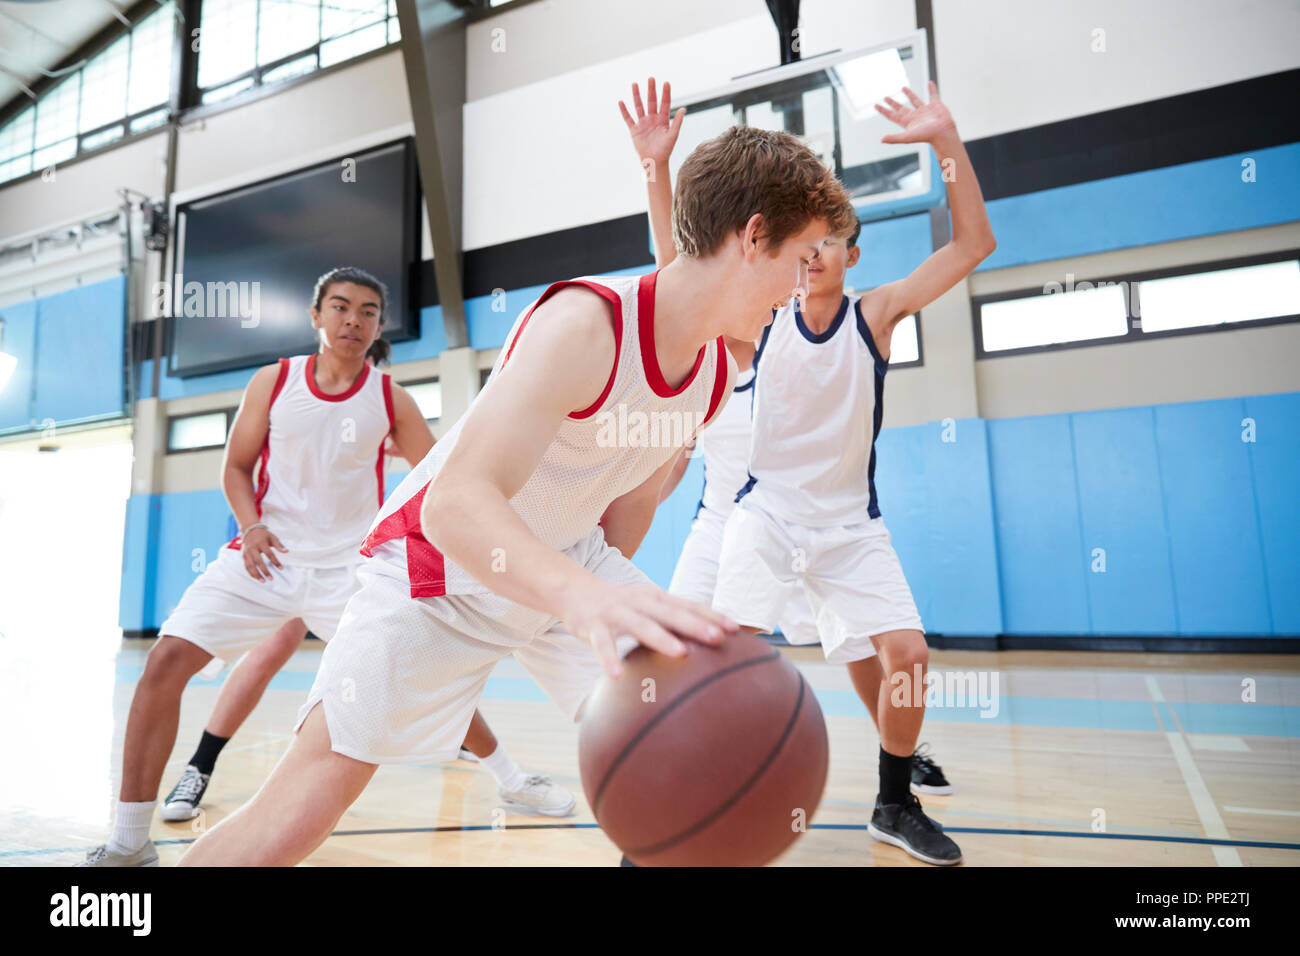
1140 209
1275 468
188 521
20 342
136 610
1039 534
70 348
996 530
891 249
80 352
1214 539
936 499
1130 583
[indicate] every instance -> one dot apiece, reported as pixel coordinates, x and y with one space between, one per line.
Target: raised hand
654 131
921 122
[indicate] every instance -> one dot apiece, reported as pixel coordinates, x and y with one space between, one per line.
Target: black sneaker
906 826
927 776
183 802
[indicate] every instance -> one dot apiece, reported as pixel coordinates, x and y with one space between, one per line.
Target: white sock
131 826
507 772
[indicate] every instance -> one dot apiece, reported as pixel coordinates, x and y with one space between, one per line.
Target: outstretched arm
654 133
466 511
972 236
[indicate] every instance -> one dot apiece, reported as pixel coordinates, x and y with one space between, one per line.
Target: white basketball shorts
696 578
400 681
850 575
226 611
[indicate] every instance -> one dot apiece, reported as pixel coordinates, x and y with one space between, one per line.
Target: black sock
895 777
205 758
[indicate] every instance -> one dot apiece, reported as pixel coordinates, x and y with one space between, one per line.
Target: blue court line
1196 717
1073 834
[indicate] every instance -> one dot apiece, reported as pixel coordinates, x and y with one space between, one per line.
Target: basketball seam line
640 734
740 791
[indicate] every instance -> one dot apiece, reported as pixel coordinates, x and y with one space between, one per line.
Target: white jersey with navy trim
724 446
320 479
598 454
817 411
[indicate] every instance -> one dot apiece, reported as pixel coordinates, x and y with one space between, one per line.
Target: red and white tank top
321 476
600 452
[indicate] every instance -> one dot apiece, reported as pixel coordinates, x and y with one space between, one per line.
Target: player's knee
173 660
905 652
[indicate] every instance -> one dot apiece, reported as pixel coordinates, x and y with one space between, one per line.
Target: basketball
717 758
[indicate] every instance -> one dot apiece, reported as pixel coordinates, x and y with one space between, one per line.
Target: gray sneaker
101 855
183 802
540 795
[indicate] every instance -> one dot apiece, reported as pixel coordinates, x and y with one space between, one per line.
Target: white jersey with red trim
599 453
321 476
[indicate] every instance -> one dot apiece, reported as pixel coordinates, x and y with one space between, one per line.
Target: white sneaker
541 795
183 802
467 756
101 855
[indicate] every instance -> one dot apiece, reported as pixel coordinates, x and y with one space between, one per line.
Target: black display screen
248 259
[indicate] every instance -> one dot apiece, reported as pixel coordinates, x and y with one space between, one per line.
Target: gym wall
549 177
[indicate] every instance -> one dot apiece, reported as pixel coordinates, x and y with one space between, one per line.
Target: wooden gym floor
1077 760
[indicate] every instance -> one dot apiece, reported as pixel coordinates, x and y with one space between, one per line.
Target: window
1228 295
1264 289
248 43
1068 316
195 432
123 88
428 397
905 346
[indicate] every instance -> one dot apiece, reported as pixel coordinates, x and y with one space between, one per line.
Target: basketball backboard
828 101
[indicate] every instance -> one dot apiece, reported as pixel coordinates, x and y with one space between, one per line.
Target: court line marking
992 831
1260 810
1206 809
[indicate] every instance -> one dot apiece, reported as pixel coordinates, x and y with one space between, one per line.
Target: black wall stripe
1252 114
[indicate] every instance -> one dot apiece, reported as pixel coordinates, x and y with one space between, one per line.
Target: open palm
921 122
654 131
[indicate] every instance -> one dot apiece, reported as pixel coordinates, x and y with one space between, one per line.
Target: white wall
545 148
1011 64
306 118
85 186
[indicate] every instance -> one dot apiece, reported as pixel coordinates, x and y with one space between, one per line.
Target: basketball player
315 428
725 446
494 543
807 517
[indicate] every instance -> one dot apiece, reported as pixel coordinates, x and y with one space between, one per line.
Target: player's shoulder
264 379
572 329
